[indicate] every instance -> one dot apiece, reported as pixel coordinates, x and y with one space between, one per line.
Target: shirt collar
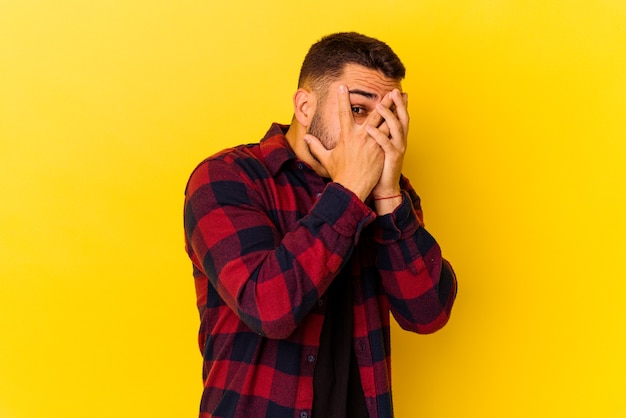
275 148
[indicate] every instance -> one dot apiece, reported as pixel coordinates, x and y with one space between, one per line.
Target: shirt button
310 359
320 303
304 415
300 166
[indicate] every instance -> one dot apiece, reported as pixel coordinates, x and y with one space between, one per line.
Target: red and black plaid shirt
267 236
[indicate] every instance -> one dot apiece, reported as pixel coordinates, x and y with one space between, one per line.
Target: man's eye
358 110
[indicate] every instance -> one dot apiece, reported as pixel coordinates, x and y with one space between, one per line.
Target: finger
381 138
376 118
401 100
345 109
384 128
317 149
391 120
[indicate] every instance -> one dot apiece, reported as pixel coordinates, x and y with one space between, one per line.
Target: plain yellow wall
517 147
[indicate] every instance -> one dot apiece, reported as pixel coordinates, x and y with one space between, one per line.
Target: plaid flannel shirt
266 236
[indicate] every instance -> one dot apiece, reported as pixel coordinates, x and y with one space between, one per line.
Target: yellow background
517 147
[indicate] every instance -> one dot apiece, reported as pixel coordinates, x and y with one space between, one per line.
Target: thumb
317 149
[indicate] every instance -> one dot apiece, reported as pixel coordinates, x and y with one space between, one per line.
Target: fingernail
342 89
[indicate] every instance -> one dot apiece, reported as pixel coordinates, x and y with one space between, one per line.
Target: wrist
385 194
361 192
388 197
388 203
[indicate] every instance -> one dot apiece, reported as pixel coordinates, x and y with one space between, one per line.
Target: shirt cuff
343 211
401 223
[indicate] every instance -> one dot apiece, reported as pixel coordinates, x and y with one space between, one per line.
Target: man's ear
304 102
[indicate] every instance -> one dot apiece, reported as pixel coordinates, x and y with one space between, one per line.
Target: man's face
367 87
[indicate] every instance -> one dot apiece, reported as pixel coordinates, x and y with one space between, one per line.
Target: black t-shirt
337 390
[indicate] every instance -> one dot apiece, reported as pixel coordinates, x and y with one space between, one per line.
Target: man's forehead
364 93
367 83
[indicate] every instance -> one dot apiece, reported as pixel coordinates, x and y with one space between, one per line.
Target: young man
304 243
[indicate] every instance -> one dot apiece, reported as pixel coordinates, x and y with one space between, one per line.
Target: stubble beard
318 129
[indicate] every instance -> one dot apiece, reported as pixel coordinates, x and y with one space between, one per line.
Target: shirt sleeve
420 284
270 278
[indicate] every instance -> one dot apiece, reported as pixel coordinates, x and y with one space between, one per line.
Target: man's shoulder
228 165
233 154
252 161
235 158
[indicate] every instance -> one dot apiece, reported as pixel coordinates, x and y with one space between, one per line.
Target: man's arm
269 280
420 285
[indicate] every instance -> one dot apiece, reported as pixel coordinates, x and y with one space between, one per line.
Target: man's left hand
391 135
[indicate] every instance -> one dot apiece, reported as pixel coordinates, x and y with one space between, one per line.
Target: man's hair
327 58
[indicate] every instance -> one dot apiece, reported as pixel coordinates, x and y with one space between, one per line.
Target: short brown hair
327 58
